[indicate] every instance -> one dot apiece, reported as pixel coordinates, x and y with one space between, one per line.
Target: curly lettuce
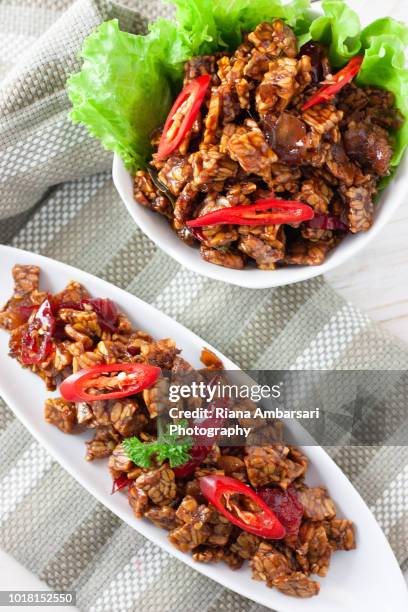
127 82
383 43
339 28
125 87
223 21
121 93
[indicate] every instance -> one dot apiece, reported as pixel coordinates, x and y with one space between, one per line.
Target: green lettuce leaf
384 27
127 82
122 93
197 27
225 20
339 28
384 66
383 43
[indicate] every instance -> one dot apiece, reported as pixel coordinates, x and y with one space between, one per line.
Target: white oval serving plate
365 580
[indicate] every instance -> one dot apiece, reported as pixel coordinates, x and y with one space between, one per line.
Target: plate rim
127 516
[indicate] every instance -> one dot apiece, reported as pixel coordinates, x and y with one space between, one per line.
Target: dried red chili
281 211
131 378
105 309
197 233
37 344
182 115
220 491
203 443
198 454
25 312
327 222
120 483
329 90
286 506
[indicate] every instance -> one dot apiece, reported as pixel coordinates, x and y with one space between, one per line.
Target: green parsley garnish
167 447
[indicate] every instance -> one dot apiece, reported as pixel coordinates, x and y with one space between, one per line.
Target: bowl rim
251 278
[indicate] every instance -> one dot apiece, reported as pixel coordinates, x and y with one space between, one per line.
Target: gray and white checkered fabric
57 199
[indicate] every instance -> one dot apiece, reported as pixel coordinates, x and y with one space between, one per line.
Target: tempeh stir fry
269 156
232 503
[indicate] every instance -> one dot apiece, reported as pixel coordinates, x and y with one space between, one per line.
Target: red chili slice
36 344
203 444
286 506
284 211
57 305
219 490
201 448
197 454
120 483
328 222
182 115
132 378
105 309
197 233
344 76
25 312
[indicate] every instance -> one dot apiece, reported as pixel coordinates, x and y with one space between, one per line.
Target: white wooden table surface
377 282
377 279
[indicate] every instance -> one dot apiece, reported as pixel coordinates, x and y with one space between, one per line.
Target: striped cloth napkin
57 199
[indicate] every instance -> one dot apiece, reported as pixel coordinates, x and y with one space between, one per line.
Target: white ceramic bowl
157 229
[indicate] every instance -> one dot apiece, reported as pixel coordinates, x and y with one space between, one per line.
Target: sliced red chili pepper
329 222
203 444
120 483
57 305
37 341
340 79
220 489
197 233
132 378
105 309
25 312
283 211
286 506
198 454
182 115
